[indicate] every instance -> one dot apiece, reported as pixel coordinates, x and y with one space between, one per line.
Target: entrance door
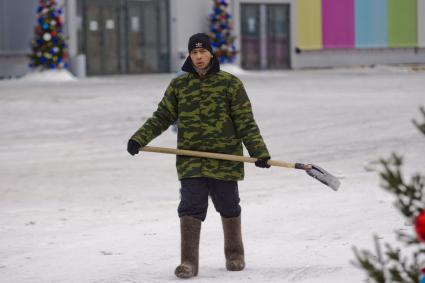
102 37
250 45
265 36
126 36
147 48
278 36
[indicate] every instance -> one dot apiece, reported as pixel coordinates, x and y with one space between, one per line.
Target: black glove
262 162
133 147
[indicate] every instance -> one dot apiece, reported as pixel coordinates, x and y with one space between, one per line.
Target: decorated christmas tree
49 50
388 264
221 27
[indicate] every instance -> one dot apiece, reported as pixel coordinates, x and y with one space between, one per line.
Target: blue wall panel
371 23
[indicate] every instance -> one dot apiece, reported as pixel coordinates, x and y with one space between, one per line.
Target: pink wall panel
338 23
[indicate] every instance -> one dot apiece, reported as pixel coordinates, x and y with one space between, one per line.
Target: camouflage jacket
213 114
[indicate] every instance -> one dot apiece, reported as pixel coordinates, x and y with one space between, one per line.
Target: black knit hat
199 40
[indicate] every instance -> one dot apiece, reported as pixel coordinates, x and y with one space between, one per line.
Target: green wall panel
402 23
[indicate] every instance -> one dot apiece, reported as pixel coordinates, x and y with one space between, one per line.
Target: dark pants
194 194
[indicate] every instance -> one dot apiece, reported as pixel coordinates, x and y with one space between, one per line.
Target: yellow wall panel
309 24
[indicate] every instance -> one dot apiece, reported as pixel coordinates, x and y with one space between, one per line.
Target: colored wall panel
309 24
371 23
421 23
338 23
402 23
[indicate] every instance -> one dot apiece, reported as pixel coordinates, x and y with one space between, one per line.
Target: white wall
357 57
187 17
338 58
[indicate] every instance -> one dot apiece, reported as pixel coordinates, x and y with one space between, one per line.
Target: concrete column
71 26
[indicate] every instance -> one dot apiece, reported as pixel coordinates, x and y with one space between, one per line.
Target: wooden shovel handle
213 155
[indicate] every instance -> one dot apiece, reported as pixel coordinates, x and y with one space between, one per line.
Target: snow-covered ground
75 207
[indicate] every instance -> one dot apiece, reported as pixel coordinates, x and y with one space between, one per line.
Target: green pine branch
373 264
391 266
410 196
421 127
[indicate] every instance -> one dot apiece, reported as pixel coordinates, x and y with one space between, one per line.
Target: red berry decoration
420 226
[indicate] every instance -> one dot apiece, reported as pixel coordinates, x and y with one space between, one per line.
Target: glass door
265 38
102 37
126 36
250 38
147 37
278 36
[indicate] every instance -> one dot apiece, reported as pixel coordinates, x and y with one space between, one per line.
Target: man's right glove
133 147
262 162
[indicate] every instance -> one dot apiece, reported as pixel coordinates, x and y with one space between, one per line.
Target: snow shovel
314 171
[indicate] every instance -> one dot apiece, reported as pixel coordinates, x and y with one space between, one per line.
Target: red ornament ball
420 226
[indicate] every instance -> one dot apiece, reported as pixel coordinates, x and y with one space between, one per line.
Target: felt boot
190 229
233 246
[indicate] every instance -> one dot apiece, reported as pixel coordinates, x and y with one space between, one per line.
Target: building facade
150 36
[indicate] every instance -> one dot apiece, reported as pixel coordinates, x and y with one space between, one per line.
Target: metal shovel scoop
320 174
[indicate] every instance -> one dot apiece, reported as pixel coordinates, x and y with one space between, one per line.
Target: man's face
201 57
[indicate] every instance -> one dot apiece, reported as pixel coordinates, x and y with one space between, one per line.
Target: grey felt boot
233 246
190 229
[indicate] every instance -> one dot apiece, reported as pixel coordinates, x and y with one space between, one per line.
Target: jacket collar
188 67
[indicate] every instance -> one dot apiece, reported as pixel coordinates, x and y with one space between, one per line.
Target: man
213 114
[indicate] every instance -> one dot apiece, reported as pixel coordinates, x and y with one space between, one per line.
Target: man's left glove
262 162
133 147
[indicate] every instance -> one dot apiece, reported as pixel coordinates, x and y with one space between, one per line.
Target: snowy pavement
75 207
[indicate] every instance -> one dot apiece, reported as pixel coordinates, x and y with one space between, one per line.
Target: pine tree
49 50
390 264
221 27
